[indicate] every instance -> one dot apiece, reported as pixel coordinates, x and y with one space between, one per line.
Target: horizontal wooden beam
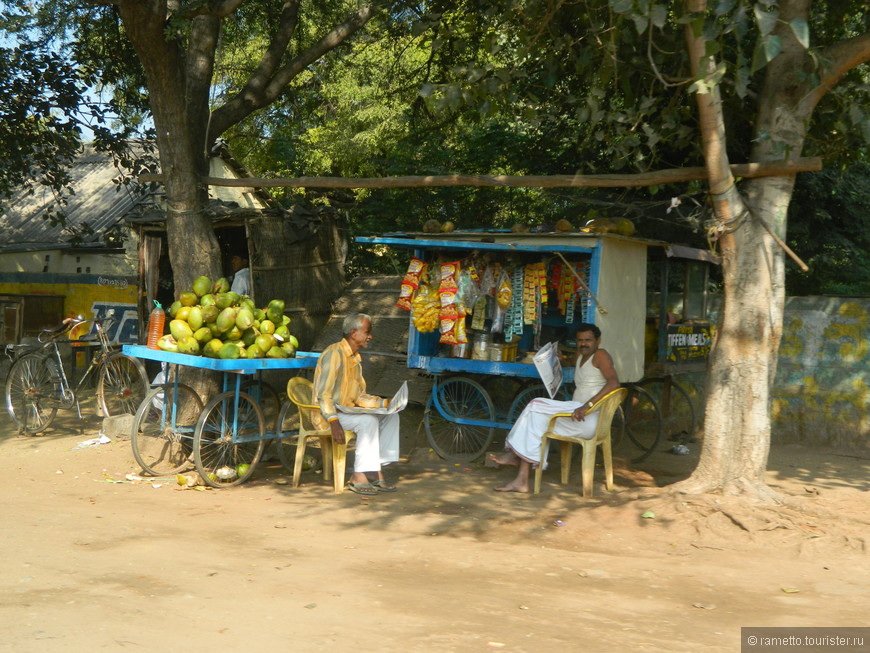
668 176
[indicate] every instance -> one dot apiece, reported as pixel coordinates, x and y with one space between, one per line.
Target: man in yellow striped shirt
338 381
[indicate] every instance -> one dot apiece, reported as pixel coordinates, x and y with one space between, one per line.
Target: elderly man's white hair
353 322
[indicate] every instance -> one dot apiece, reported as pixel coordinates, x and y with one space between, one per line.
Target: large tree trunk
743 361
178 94
180 108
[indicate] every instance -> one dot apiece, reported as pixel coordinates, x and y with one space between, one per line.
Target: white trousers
525 436
377 439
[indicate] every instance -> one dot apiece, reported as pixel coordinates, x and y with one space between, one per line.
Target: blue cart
461 414
224 438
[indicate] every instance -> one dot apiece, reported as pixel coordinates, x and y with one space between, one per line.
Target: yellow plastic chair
606 407
300 391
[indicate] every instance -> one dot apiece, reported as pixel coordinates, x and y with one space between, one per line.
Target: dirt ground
94 561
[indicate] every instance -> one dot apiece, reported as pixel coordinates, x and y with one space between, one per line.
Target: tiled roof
97 202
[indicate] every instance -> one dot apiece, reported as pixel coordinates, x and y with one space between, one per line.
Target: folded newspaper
549 366
397 403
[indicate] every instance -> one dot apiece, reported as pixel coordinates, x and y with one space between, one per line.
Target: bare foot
512 487
506 458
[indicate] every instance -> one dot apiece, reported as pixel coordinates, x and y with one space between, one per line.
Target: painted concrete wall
821 394
88 295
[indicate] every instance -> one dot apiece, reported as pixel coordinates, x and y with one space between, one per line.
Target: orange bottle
155 325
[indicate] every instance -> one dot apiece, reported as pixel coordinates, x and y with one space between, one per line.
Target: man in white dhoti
594 377
338 381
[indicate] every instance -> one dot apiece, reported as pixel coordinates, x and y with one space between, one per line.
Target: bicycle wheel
286 432
459 398
31 394
533 392
162 434
229 439
122 385
643 421
678 411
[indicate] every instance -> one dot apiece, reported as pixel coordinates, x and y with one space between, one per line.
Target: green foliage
830 228
38 131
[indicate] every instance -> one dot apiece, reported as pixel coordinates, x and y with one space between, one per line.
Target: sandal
365 489
383 486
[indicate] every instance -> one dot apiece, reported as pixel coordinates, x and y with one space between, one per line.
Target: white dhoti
377 439
525 436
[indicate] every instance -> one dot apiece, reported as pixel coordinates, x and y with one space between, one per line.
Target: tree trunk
193 246
743 360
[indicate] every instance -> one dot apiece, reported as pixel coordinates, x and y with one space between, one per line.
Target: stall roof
505 240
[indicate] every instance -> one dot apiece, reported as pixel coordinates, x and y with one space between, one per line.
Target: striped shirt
338 380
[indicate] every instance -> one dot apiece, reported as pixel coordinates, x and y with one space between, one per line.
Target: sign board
688 342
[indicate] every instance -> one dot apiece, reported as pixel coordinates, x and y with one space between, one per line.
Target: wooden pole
667 176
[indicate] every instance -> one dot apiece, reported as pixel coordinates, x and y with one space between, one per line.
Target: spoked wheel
459 398
533 392
286 432
678 411
643 421
122 385
31 394
162 436
229 439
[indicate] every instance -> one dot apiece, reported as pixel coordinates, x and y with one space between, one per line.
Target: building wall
821 394
89 295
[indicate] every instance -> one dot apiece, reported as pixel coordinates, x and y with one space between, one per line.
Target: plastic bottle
155 325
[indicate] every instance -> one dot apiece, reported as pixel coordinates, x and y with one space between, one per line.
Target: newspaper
397 403
549 366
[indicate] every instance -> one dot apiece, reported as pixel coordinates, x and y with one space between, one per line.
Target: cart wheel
31 394
162 434
459 398
678 411
229 439
643 421
286 432
533 392
122 385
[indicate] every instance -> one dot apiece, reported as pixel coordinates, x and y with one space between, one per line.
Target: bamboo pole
667 176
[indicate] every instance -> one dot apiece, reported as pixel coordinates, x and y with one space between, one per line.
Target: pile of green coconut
210 320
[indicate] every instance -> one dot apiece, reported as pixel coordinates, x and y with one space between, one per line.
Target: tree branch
217 8
199 69
841 57
224 8
262 91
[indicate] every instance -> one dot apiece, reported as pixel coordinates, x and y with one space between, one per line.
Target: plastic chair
606 407
300 391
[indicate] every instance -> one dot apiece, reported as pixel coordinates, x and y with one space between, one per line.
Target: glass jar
480 346
496 351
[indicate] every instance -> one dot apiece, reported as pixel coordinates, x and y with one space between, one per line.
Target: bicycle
38 384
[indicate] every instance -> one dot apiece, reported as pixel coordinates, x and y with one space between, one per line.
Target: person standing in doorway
241 275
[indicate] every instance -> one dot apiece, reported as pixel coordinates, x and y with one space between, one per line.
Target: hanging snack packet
410 282
448 328
449 276
503 291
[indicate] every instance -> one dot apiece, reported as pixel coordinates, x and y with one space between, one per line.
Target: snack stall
482 302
